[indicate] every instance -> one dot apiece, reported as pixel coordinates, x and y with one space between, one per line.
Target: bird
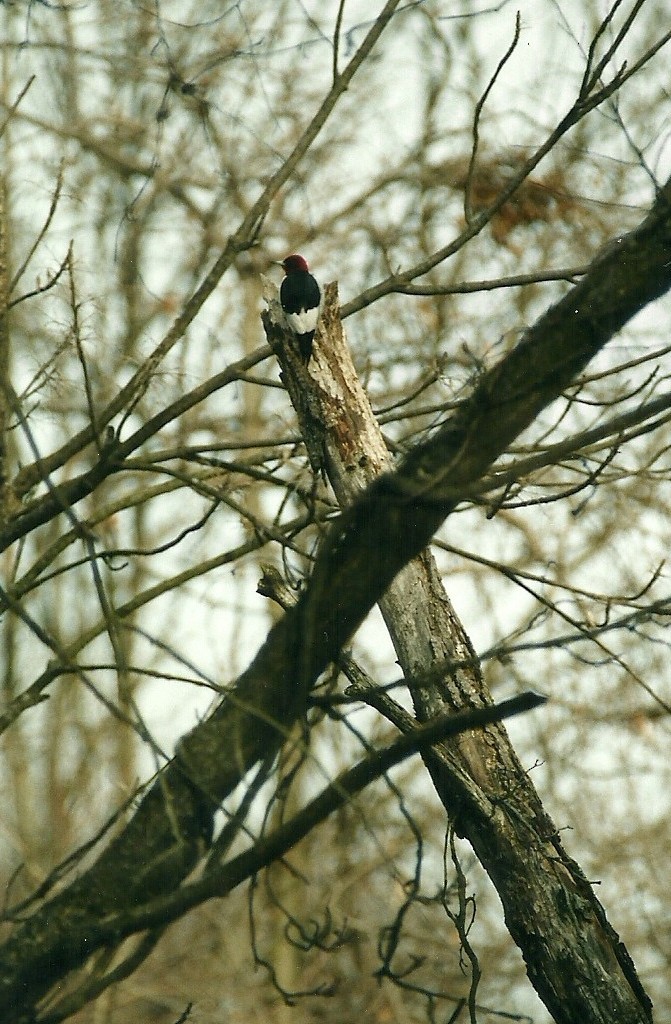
300 298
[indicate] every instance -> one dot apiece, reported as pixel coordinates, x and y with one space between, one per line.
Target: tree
178 174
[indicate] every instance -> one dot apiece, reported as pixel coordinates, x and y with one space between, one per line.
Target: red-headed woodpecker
300 296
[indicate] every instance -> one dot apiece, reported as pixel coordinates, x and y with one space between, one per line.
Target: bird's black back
299 291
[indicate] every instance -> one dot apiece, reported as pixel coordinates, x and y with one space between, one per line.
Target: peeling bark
550 908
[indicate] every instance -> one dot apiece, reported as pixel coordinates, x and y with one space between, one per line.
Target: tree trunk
574 958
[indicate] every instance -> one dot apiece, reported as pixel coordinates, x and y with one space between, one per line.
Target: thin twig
336 39
12 110
590 80
44 287
42 232
468 212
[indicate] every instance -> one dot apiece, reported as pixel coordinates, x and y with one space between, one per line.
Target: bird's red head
294 263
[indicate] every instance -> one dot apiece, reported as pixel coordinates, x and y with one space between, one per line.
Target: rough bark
390 524
5 385
574 958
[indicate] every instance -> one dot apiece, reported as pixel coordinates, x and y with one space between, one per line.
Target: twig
42 232
468 212
12 110
336 39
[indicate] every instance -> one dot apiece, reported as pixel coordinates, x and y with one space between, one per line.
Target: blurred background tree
136 139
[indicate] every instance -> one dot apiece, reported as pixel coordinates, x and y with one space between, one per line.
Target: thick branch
221 879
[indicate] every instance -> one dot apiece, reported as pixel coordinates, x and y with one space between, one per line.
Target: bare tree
156 159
